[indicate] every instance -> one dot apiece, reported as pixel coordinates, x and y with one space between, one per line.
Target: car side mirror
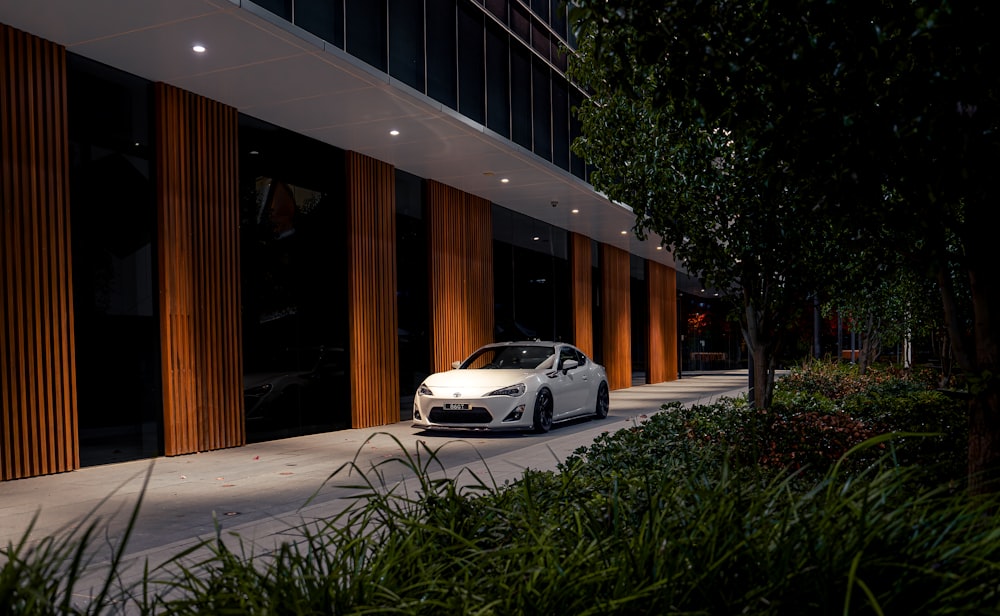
569 364
456 364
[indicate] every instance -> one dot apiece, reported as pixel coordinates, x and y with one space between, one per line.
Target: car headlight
511 390
424 390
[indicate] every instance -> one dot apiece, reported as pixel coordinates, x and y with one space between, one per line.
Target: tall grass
47 576
708 541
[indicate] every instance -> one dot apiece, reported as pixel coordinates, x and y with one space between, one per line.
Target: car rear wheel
543 411
603 401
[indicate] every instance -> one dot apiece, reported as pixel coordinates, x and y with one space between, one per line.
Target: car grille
473 415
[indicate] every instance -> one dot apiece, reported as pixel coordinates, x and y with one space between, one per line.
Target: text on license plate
456 406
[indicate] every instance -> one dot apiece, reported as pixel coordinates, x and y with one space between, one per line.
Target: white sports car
513 386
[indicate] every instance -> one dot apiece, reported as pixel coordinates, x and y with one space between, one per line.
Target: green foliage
708 509
886 399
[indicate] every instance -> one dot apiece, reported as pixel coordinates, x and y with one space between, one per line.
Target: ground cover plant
693 510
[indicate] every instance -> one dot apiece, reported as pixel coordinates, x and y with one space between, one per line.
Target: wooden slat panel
38 413
582 291
662 287
616 316
460 240
372 309
198 240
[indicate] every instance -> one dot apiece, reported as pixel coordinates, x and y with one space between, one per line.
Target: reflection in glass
295 353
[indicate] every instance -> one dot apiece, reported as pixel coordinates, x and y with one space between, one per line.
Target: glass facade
113 218
411 287
508 76
531 286
709 339
639 302
293 250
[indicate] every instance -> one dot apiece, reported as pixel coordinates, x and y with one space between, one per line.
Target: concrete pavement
263 490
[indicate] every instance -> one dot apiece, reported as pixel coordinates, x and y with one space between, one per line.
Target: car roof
525 343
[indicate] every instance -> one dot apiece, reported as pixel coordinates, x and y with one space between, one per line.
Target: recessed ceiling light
198 49
624 232
536 238
575 211
394 132
504 181
659 247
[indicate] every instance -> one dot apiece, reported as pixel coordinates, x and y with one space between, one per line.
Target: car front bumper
493 413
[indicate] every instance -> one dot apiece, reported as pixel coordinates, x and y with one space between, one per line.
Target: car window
566 353
509 358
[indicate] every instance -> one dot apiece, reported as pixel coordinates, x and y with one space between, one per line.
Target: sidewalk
259 491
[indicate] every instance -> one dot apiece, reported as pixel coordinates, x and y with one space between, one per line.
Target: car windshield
511 358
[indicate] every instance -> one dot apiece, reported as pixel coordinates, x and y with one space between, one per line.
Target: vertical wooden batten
662 286
616 314
582 291
38 412
460 243
199 283
372 309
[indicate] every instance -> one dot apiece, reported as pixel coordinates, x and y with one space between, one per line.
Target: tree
700 190
853 100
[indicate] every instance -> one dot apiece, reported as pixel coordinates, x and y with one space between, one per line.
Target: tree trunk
871 343
763 377
978 351
762 351
984 443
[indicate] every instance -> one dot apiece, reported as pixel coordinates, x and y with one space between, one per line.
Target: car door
570 386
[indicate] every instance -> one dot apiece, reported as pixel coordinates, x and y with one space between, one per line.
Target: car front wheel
603 402
543 411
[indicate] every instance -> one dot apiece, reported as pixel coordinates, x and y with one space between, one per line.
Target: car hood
477 381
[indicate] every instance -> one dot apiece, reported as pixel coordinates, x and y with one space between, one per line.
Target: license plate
455 406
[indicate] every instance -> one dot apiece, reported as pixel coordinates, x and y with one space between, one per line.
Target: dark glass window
497 80
541 8
292 247
441 53
113 227
520 21
560 122
406 42
324 18
471 63
520 95
366 31
412 285
541 109
531 278
558 17
281 8
639 301
558 56
540 39
498 8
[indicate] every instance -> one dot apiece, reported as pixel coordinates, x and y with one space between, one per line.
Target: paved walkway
260 491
